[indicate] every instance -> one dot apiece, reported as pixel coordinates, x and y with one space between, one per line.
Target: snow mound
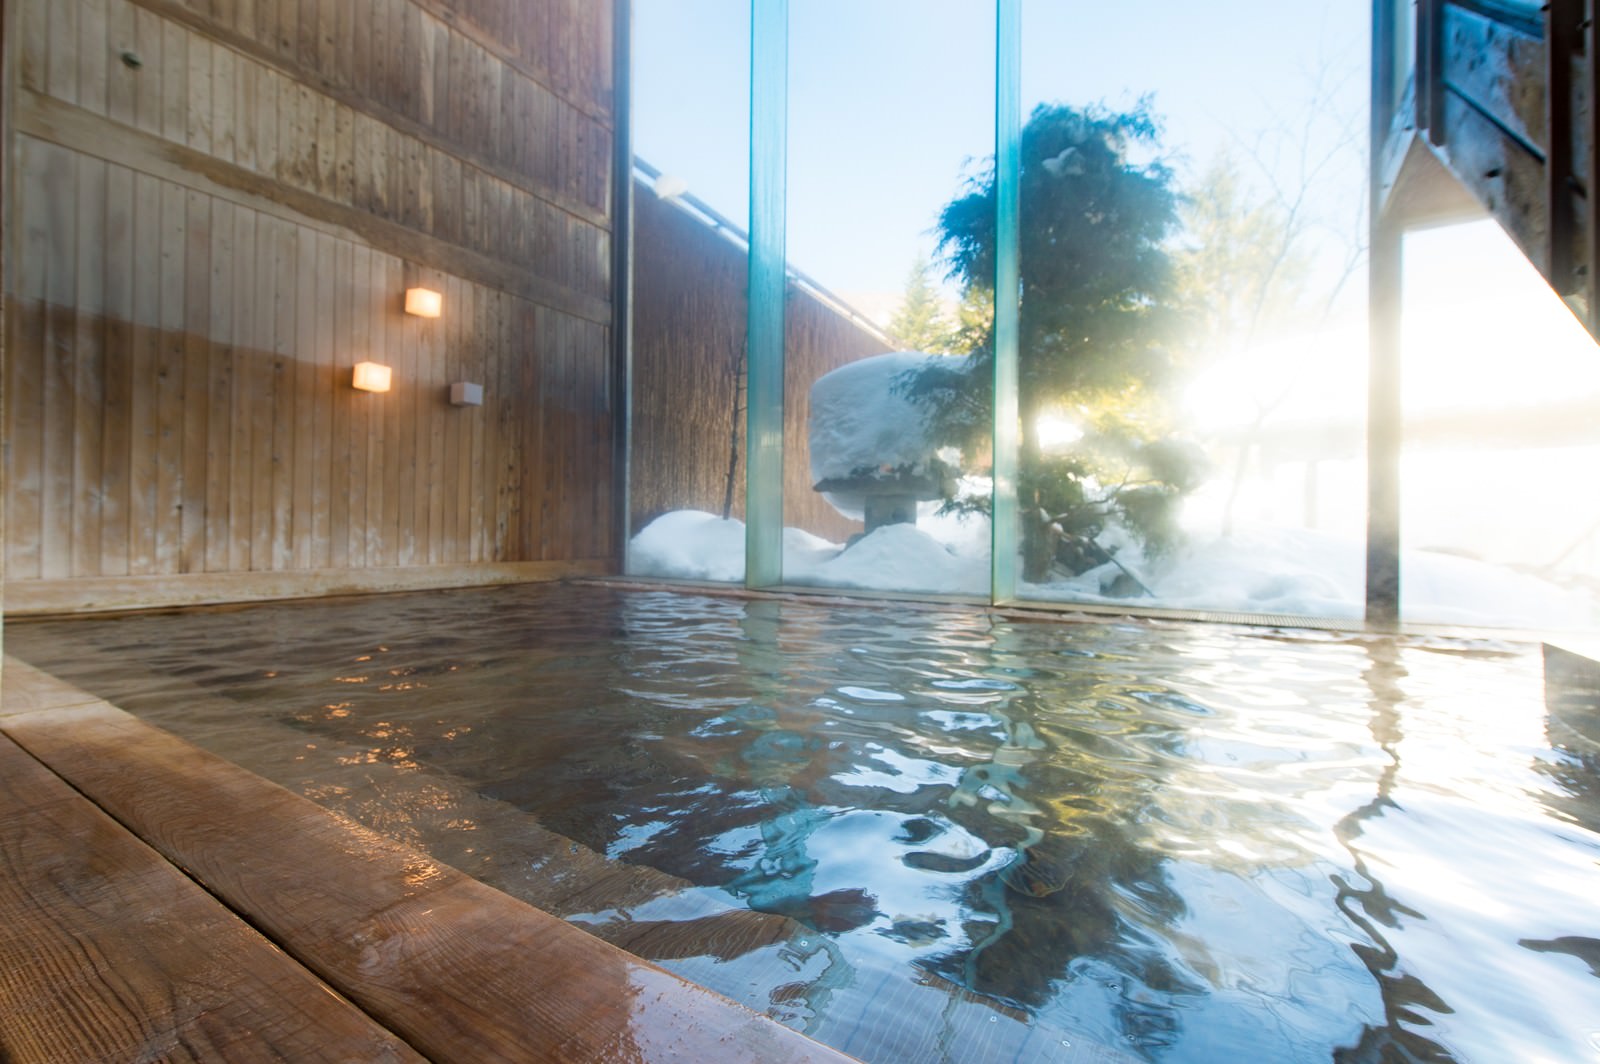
860 424
902 557
689 545
1294 572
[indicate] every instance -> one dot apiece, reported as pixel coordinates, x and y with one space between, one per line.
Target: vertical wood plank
289 146
245 18
414 515
62 65
327 146
403 412
345 31
302 376
305 46
344 155
284 443
360 408
119 381
198 107
88 367
262 395
59 198
224 100
144 400
327 31
174 82
322 481
435 409
33 40
170 381
148 42
341 459
477 351
381 543
361 47
244 123
268 89
92 49
219 420
378 55
287 29
244 400
196 381
399 427
25 370
122 81
459 462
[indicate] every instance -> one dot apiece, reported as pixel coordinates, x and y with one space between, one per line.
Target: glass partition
691 132
1185 421
1193 332
891 113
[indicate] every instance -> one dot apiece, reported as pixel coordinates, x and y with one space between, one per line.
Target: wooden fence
690 311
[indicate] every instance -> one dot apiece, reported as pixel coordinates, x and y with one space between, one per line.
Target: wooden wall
215 208
689 317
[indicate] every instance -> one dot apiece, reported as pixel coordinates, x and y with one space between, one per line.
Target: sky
891 102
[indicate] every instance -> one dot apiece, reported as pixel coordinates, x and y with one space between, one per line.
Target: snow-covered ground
1265 570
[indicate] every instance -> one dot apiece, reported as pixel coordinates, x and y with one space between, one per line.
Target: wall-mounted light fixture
424 302
465 393
371 377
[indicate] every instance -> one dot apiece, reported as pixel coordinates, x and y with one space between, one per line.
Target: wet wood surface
458 970
108 953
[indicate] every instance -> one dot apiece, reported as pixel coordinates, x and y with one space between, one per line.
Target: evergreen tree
919 323
1100 318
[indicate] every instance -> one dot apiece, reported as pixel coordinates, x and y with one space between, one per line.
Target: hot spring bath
928 834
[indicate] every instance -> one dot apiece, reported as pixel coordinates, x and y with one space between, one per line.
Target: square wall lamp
424 302
371 377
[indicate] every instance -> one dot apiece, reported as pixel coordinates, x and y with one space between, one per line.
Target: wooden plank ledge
108 953
457 969
36 598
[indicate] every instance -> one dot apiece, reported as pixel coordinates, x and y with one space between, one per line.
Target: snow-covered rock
861 427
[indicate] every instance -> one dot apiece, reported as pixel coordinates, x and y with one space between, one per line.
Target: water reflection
1363 900
937 834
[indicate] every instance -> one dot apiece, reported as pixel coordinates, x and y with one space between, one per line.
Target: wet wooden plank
456 968
108 953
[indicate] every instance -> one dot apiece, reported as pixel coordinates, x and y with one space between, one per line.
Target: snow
859 422
689 545
1295 572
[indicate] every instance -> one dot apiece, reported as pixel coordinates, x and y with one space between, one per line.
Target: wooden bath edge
41 598
457 969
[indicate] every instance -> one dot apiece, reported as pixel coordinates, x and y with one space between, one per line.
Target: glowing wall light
424 302
371 377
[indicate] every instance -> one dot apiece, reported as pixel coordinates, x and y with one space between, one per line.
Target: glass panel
1193 335
691 118
1501 400
890 104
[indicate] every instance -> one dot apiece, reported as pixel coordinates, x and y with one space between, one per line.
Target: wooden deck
160 903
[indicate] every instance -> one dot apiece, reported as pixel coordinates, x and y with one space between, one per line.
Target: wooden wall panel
218 206
688 332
